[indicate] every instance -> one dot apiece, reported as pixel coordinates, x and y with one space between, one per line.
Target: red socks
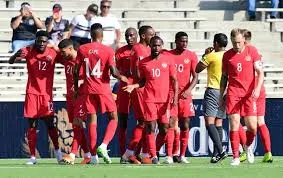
265 137
53 134
235 141
137 135
31 136
242 135
110 131
184 137
176 145
160 140
76 140
84 143
92 136
122 139
170 141
250 137
150 140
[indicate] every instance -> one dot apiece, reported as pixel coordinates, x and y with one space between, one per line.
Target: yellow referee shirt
213 61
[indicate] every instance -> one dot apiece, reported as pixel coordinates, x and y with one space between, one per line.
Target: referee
212 60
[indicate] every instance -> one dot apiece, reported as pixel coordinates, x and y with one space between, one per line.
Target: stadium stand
199 18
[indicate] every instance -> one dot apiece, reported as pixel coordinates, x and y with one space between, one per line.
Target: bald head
96 32
131 36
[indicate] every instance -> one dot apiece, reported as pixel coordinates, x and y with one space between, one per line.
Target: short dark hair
96 26
25 4
93 8
65 43
57 6
41 33
156 38
180 34
247 34
143 29
221 39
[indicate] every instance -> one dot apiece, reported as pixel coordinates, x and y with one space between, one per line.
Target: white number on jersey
69 69
239 67
156 72
180 67
42 65
95 71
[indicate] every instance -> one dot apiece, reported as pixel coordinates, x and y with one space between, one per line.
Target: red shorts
137 103
37 106
157 111
70 107
93 103
184 109
260 106
245 106
123 101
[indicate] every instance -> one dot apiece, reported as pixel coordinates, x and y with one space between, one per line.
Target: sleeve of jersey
117 59
111 58
255 55
194 63
172 69
25 50
206 59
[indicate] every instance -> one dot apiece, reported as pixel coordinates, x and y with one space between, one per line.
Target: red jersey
157 74
40 70
96 59
240 70
139 52
185 64
123 60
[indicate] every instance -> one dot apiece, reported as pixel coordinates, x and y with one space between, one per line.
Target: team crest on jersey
164 65
248 58
48 58
93 51
186 61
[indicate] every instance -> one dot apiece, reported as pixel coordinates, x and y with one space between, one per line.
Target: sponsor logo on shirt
248 58
49 58
186 61
164 65
31 22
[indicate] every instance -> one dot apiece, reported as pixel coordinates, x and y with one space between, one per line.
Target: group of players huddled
157 84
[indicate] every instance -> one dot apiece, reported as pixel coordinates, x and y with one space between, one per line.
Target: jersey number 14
96 71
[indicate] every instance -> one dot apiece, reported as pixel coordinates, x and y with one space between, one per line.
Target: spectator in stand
24 27
56 26
251 9
80 25
110 24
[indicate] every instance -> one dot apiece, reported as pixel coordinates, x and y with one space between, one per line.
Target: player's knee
172 122
150 127
185 124
164 128
49 122
260 120
113 115
32 123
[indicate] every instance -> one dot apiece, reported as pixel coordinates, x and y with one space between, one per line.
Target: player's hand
22 12
256 93
129 88
124 79
174 101
208 50
186 94
20 53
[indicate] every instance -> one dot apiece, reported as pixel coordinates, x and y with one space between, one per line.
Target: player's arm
223 85
203 63
116 74
258 65
20 54
76 77
130 88
200 67
175 87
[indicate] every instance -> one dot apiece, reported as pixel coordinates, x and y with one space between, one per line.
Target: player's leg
265 139
170 139
53 134
234 137
263 130
122 131
92 131
176 144
184 137
243 140
150 139
31 136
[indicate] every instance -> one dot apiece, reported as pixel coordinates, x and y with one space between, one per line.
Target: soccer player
212 60
123 62
263 130
239 66
139 52
185 62
95 94
156 72
67 57
40 61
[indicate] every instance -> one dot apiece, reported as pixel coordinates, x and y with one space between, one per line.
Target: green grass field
199 168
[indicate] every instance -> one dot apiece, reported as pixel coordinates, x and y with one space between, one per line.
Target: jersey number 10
96 71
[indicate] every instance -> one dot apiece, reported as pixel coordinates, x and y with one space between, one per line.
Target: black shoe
213 159
221 156
157 154
123 161
176 159
252 18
